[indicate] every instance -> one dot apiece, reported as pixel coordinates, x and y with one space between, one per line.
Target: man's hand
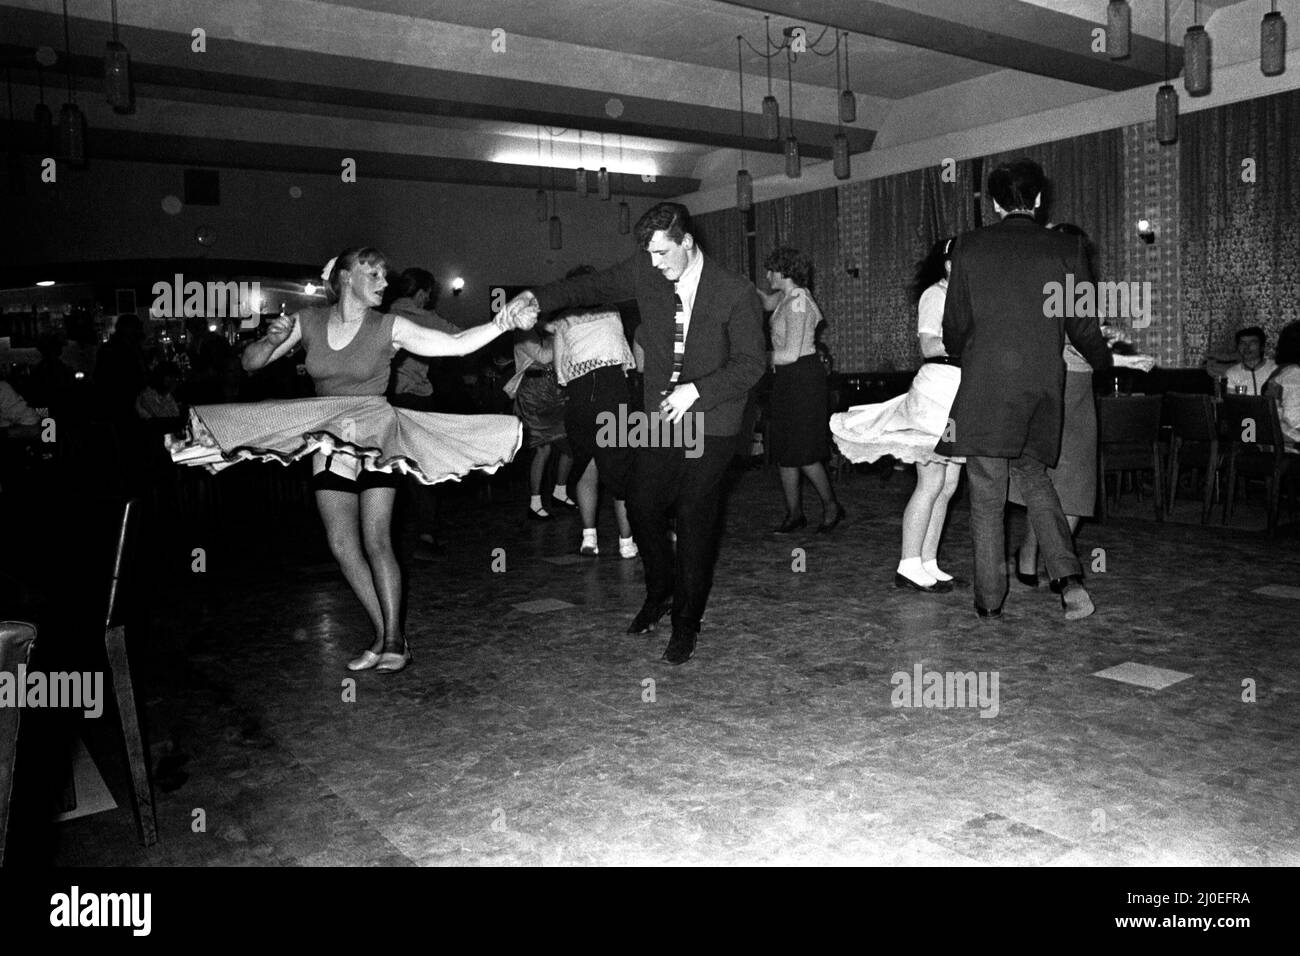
1143 363
675 405
521 312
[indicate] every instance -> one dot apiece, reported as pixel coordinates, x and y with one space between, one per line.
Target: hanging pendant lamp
1119 29
771 110
1196 56
744 182
848 102
1272 43
117 73
72 124
793 164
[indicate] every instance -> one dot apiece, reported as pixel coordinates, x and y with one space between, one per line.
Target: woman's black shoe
791 524
1029 580
827 526
903 581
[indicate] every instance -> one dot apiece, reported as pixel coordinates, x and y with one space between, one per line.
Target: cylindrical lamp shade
580 182
602 184
1272 44
72 135
1196 60
1119 29
848 106
543 207
771 118
840 156
793 164
44 122
744 190
557 233
1167 115
117 78
624 219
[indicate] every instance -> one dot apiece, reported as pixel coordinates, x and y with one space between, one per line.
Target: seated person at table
1284 385
156 400
1248 376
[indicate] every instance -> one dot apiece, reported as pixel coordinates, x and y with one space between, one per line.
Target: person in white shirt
1284 385
1248 376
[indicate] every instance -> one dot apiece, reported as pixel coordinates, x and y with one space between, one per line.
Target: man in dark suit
702 334
1007 416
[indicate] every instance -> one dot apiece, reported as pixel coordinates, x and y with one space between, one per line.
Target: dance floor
532 730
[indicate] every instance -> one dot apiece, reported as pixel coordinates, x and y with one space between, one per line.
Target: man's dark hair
792 264
1253 331
1288 345
671 217
416 280
1015 185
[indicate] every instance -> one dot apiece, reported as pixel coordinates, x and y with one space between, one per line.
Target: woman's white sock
913 570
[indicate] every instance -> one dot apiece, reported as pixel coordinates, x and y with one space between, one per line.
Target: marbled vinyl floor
538 738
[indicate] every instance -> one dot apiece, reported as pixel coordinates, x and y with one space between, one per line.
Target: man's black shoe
682 646
649 616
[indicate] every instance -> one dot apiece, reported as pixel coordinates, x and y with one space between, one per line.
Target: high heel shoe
365 662
390 663
829 525
1028 580
790 525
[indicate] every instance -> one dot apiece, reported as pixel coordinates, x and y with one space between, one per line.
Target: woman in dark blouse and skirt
800 405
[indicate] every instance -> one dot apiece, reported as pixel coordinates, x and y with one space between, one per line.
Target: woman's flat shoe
791 524
390 663
365 662
903 581
535 515
827 526
1028 580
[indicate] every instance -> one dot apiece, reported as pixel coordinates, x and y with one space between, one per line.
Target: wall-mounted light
1146 232
457 285
44 283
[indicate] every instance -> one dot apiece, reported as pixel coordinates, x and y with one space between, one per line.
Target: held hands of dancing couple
522 312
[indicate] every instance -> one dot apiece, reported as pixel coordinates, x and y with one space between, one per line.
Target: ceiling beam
1004 33
128 145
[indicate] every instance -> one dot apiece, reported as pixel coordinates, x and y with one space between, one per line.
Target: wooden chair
1255 417
1128 439
119 665
16 640
1191 418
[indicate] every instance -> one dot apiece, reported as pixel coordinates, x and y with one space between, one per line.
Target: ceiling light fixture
117 72
848 102
840 147
72 123
771 109
1272 43
543 207
624 210
1167 99
580 174
793 164
556 229
744 181
42 116
1119 29
1196 55
602 175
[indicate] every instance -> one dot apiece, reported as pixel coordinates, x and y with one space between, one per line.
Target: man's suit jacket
994 321
725 352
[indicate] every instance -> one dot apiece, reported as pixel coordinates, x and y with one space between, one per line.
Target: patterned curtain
886 227
721 235
1240 236
1086 187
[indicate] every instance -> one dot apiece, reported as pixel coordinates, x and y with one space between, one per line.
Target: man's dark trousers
988 499
664 482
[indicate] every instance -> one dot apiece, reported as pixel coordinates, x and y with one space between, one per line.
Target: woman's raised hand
280 329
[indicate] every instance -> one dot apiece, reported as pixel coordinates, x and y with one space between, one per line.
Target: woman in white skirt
909 426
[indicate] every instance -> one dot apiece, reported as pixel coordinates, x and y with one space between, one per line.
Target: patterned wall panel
1151 191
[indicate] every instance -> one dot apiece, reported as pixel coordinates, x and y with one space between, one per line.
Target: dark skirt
604 390
540 406
1075 474
800 414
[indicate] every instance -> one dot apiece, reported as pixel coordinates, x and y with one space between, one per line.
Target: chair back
16 639
1253 416
1127 419
121 566
1191 417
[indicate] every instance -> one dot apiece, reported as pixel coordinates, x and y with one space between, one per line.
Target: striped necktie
679 339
